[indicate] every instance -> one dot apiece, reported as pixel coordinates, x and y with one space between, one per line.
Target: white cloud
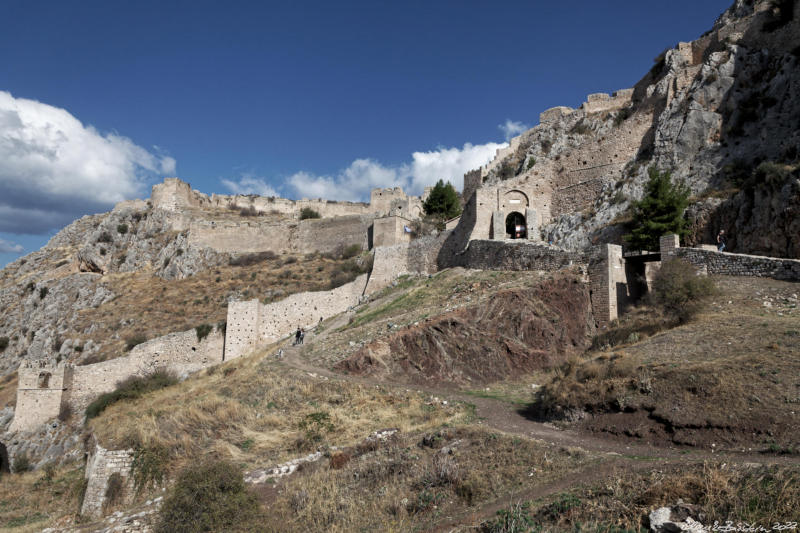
449 164
54 169
512 128
249 184
7 247
425 168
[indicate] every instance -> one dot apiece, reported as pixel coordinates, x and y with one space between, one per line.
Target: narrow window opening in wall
44 380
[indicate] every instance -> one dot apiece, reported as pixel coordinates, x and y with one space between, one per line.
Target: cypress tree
659 212
443 201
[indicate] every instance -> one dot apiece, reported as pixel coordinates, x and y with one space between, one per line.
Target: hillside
515 371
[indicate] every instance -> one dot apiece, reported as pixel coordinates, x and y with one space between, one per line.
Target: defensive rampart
418 256
252 323
101 464
45 389
305 236
729 264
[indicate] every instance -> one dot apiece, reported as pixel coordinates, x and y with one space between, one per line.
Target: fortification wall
245 237
418 256
388 231
517 255
175 194
180 353
600 102
381 200
305 236
271 204
728 264
251 323
320 235
100 466
44 388
41 388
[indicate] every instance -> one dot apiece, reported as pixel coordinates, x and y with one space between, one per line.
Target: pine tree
443 201
659 212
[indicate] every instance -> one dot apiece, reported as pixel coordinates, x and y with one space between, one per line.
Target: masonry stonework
44 389
100 466
252 323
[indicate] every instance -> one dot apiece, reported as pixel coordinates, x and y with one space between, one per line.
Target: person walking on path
297 335
721 240
302 336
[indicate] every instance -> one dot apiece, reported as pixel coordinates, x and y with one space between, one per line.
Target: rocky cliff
721 113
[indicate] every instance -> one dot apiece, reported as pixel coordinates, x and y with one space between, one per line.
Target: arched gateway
516 228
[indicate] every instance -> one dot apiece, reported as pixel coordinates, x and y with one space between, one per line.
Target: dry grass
8 389
413 482
31 500
255 412
413 300
746 494
147 306
731 373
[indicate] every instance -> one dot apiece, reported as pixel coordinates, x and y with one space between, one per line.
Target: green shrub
105 237
351 251
149 466
515 519
122 229
252 259
21 463
114 489
621 116
133 387
210 497
249 212
43 292
307 212
222 327
3 344
531 162
679 291
770 175
134 340
202 331
580 128
315 424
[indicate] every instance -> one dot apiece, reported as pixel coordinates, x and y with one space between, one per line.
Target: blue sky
99 100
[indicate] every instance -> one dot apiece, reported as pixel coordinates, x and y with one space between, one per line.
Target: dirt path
620 454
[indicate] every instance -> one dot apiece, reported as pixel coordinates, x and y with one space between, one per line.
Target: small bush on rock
3 344
307 212
21 464
122 229
149 466
679 291
202 331
210 497
133 387
252 259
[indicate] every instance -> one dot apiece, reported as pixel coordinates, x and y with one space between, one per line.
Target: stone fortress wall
251 323
44 388
101 464
342 224
304 236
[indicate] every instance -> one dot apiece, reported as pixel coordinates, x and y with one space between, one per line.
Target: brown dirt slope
515 331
